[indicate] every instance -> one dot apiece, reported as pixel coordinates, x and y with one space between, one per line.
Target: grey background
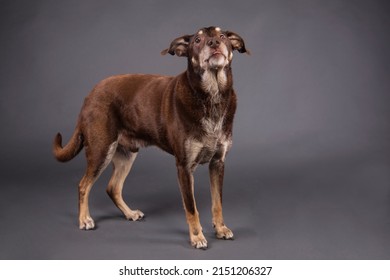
307 178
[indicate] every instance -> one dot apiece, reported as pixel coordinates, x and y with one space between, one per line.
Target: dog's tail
74 146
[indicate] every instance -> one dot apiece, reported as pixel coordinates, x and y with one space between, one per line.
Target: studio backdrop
308 175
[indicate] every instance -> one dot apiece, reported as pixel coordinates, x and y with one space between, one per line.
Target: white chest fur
213 142
200 152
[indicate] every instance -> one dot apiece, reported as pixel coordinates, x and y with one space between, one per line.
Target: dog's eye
197 40
222 36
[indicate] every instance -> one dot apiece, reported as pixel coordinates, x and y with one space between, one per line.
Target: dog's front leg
216 169
186 182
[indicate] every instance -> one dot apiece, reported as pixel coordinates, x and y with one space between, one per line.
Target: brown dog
189 116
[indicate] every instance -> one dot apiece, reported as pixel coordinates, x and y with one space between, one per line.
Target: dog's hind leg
122 163
97 161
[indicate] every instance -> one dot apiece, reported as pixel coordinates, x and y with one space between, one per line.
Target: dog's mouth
215 55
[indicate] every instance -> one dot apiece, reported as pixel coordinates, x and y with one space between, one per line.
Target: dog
189 116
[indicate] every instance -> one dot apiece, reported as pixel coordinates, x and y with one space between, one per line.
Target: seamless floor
334 208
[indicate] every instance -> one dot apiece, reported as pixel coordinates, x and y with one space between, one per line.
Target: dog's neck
212 83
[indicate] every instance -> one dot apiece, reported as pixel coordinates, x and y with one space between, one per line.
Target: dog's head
209 48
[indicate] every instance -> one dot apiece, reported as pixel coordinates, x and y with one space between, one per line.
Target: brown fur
189 116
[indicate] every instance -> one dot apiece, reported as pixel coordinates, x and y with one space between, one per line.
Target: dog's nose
213 43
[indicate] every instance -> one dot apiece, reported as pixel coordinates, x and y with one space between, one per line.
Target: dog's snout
213 43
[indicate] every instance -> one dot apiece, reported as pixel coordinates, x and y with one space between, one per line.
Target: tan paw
135 215
87 223
223 232
198 241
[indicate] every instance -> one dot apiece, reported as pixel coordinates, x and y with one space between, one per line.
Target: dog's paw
199 241
223 232
135 215
87 223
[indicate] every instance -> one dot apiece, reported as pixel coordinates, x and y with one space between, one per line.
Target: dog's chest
212 140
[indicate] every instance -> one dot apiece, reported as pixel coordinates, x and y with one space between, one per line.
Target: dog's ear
179 46
237 42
